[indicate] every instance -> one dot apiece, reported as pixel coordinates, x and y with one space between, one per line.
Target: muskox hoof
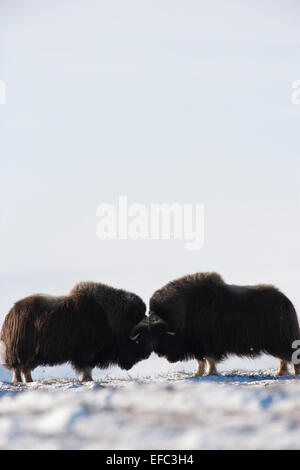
199 372
211 366
282 373
85 375
16 378
202 371
283 369
296 369
27 375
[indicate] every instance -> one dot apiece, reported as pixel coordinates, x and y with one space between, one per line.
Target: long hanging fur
212 319
91 326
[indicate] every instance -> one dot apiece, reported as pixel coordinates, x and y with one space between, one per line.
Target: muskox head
134 343
163 337
166 323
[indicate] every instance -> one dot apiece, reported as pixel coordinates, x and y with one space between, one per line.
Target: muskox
200 316
95 325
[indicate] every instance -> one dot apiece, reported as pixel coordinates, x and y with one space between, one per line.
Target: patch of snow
5 375
239 410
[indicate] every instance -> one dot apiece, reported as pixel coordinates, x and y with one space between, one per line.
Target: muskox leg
16 377
283 368
27 375
296 369
200 368
211 366
85 375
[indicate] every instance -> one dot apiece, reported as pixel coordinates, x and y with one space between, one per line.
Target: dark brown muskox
94 325
201 317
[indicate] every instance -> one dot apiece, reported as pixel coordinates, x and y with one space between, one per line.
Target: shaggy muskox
94 325
201 317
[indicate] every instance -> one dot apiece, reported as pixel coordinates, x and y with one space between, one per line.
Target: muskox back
45 330
22 326
212 319
264 315
91 326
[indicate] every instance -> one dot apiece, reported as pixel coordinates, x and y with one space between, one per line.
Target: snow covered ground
156 405
236 410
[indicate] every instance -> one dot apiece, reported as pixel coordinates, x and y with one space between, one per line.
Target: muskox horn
135 337
135 334
156 320
144 322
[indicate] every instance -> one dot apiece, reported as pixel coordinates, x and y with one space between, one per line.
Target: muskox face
135 345
165 340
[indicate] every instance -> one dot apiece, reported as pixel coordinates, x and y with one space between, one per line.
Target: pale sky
163 101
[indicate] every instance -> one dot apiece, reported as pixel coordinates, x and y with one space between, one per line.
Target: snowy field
156 405
236 410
